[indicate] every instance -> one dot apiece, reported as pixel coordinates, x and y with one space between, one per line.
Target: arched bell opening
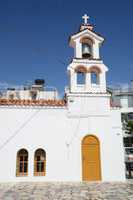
81 75
95 75
87 48
94 78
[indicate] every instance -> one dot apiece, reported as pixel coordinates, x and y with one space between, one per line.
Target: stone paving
66 191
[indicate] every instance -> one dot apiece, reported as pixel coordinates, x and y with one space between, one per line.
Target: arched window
40 162
22 163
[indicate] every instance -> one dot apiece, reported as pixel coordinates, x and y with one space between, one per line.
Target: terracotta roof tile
41 102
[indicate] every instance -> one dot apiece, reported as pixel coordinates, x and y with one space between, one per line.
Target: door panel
91 159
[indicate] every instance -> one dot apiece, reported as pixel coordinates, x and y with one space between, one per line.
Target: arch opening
87 47
81 74
95 75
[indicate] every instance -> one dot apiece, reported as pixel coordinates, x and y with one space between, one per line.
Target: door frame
99 154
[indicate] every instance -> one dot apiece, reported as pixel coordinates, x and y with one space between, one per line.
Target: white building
76 139
123 97
35 91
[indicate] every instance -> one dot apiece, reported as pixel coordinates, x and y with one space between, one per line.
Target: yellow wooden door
91 169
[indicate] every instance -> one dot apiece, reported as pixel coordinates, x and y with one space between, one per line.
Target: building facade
78 138
123 97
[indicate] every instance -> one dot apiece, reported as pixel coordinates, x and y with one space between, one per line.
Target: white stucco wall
59 133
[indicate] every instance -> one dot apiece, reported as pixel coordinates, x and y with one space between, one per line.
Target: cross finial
85 18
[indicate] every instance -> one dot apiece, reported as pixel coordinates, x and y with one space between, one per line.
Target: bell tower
87 94
87 71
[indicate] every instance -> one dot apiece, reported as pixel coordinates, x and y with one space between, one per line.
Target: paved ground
66 191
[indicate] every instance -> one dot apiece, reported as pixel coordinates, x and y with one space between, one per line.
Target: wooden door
91 169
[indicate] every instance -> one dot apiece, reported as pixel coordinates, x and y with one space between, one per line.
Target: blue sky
34 38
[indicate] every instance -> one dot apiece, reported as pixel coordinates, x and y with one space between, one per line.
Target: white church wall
113 151
60 135
111 147
88 104
34 128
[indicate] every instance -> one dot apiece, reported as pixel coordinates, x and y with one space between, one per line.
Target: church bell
86 51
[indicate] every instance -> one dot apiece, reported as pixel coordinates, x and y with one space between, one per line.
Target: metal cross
85 18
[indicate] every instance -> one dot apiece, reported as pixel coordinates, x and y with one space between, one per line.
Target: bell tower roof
85 29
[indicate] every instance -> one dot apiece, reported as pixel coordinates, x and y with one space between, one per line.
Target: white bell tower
87 71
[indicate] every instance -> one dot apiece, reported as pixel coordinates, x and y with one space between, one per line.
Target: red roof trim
24 102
